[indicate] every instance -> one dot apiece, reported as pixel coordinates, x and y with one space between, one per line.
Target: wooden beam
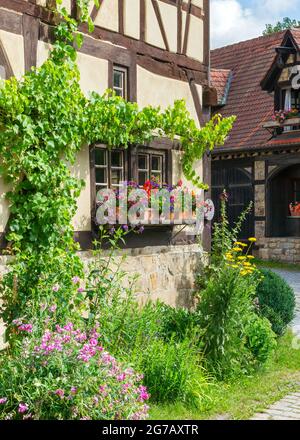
31 26
187 28
121 16
160 23
196 98
206 31
142 48
11 22
142 20
28 8
95 10
179 26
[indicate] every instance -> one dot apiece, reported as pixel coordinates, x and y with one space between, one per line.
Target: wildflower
3 400
244 272
23 408
252 239
251 257
26 328
237 249
73 390
55 288
241 258
52 308
59 392
80 290
75 280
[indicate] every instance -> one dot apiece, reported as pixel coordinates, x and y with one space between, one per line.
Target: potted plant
295 209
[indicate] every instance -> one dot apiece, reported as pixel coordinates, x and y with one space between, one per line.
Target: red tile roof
249 62
220 79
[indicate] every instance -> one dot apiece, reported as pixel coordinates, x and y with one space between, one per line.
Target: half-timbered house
257 80
151 52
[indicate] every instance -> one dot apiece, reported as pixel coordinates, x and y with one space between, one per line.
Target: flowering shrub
65 373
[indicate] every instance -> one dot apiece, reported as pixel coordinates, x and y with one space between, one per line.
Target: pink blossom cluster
22 327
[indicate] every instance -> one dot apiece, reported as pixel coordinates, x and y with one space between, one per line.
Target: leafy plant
260 339
276 299
65 373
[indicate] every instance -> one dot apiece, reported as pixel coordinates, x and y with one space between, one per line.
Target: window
109 168
150 164
120 81
296 190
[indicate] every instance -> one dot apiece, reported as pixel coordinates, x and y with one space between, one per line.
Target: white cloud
232 22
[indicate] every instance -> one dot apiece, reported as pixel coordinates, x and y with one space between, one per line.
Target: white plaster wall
42 52
14 48
195 40
81 170
107 16
198 3
153 34
158 90
4 207
169 19
132 18
93 73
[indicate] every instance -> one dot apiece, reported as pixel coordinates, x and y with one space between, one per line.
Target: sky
237 20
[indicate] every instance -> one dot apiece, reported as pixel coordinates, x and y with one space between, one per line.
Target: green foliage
286 23
260 339
173 371
277 300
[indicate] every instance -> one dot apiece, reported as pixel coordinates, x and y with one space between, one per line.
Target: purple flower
75 280
23 408
55 288
80 290
52 308
3 400
73 390
125 227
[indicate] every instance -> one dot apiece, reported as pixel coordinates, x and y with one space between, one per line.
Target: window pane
119 92
116 176
142 162
156 163
143 176
100 156
118 79
101 175
116 159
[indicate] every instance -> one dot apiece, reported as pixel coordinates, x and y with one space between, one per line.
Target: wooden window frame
125 83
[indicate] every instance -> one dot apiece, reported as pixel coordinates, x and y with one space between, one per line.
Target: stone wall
285 249
165 272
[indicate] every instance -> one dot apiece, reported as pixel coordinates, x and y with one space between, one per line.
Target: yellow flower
238 243
244 244
235 266
244 272
237 249
241 258
251 257
247 263
252 239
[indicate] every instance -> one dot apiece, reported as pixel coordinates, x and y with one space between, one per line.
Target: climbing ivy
45 120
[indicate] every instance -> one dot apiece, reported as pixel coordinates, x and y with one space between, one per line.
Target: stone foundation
285 249
167 273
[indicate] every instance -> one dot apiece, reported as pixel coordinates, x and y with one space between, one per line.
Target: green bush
260 338
173 372
277 300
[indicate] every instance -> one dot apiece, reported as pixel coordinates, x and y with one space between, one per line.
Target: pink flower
80 290
180 182
3 400
23 408
75 280
73 390
52 308
26 328
55 288
59 392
